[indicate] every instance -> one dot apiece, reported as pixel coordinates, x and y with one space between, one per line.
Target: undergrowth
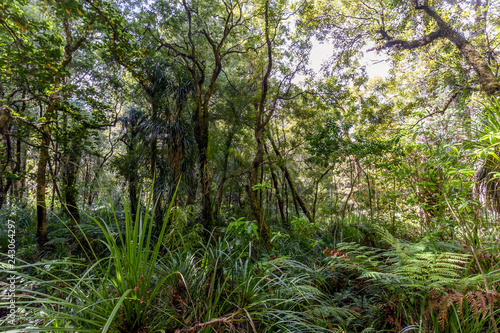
118 275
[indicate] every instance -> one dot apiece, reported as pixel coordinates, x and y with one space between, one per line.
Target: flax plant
114 294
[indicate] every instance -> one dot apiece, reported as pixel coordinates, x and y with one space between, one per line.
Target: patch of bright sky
377 63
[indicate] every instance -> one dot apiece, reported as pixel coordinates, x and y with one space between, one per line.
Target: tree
489 82
40 51
202 46
454 40
133 128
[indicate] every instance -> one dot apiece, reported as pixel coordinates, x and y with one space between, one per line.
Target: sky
377 63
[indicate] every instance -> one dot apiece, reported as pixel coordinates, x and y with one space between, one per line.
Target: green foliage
244 231
416 278
139 286
305 231
120 298
333 142
399 172
261 186
180 234
406 268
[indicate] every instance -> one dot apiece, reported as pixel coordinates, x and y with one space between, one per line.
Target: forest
185 166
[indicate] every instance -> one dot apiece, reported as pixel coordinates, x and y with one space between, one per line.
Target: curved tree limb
490 84
400 44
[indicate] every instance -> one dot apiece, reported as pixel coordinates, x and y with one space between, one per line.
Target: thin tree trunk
158 214
19 166
5 165
70 175
201 135
279 199
220 190
88 190
369 187
132 192
285 193
5 153
260 123
41 187
18 187
41 205
289 179
316 188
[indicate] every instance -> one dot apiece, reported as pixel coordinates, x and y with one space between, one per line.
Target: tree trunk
41 205
41 187
369 187
316 189
132 192
255 193
259 126
278 197
220 190
4 118
206 199
18 184
295 193
5 154
70 175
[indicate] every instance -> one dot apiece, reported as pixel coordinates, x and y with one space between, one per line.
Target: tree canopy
195 141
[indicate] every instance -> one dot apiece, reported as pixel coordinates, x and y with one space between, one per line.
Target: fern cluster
405 266
421 282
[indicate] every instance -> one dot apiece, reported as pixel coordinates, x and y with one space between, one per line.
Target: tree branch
399 44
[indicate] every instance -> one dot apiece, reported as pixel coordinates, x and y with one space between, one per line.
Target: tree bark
41 187
158 217
132 193
18 183
316 189
5 154
220 190
278 197
4 117
289 179
259 126
201 136
490 84
70 175
41 205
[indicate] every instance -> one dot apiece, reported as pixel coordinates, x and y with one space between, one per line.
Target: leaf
115 311
79 12
67 11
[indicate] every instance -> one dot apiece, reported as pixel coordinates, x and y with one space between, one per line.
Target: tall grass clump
115 293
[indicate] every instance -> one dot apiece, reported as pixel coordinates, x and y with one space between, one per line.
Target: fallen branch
226 320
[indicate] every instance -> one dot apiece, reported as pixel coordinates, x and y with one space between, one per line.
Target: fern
425 282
